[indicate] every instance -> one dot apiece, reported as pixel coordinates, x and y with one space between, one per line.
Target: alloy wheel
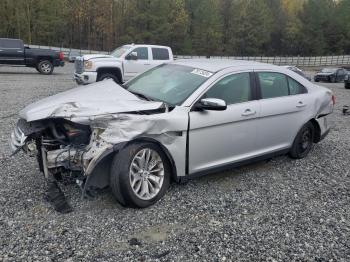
146 174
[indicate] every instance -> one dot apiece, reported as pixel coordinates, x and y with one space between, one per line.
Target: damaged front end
62 147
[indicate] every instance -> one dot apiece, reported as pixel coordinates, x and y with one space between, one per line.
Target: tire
105 76
316 80
347 85
332 79
303 142
136 190
45 67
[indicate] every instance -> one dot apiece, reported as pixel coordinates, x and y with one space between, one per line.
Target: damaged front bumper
18 139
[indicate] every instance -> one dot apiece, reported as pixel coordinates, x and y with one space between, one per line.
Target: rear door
138 66
218 138
11 51
283 104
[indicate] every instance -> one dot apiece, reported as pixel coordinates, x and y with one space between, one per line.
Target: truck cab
122 64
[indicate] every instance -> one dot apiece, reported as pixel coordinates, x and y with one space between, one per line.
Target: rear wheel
106 76
347 85
140 175
303 142
45 67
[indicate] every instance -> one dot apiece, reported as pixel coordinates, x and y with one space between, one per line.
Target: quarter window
295 88
273 84
232 89
160 54
142 53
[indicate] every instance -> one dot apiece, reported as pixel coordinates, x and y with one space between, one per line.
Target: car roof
215 65
144 45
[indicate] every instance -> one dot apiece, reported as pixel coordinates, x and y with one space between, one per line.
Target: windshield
169 83
120 51
329 70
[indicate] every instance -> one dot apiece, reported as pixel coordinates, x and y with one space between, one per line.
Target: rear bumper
326 124
85 78
17 140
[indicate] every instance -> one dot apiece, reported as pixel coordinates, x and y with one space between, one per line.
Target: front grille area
17 139
79 65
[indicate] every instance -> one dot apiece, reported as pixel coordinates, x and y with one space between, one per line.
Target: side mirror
214 104
132 56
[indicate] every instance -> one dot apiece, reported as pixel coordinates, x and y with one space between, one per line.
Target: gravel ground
279 210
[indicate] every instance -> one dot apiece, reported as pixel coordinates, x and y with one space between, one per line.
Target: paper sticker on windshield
201 72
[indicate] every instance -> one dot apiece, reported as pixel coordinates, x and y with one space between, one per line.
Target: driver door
218 138
133 67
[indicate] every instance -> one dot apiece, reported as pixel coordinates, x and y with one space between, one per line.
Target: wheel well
99 176
42 58
317 128
110 70
174 176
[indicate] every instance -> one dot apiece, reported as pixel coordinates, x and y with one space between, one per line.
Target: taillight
61 56
333 99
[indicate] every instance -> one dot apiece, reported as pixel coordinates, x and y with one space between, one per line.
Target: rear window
11 43
160 53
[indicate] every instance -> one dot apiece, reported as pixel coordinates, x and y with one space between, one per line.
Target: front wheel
107 76
332 79
140 175
45 67
303 142
347 85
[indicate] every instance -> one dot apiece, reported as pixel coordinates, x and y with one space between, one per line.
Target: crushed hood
86 102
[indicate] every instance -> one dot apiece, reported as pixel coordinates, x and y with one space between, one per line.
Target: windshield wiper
141 95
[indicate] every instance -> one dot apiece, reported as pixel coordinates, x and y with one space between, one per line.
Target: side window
232 89
273 84
11 44
160 53
142 53
295 88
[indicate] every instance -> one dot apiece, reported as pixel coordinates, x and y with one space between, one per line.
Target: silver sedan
174 122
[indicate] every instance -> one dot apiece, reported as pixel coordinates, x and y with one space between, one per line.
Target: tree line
190 27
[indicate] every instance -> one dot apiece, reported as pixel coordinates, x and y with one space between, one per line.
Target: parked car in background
175 121
298 71
347 80
73 54
122 64
332 75
14 53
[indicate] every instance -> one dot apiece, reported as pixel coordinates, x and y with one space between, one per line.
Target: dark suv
13 52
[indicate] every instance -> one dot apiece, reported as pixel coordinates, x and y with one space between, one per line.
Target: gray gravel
279 210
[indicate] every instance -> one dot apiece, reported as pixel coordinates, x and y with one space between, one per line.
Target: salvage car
173 122
332 75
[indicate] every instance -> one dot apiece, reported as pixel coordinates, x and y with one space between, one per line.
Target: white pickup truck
122 64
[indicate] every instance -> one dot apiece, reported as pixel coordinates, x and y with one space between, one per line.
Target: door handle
248 112
301 104
147 64
20 51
